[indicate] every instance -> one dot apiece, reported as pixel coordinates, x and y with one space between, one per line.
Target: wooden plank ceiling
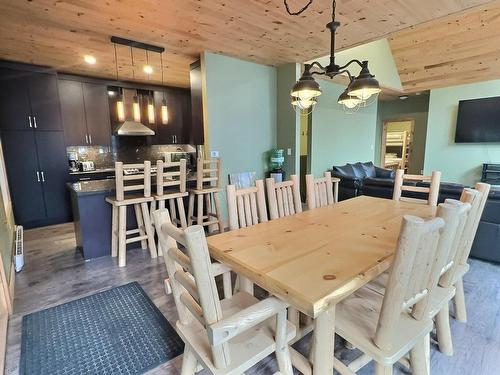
58 33
455 50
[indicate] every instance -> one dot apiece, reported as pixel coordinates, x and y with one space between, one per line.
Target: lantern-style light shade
303 104
151 111
305 89
364 85
120 108
136 109
349 101
164 112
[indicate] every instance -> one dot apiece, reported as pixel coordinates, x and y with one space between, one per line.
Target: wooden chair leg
114 232
459 302
190 209
122 236
149 230
140 225
227 284
152 209
182 212
208 208
443 331
218 212
199 215
282 350
419 357
172 211
381 369
161 205
189 362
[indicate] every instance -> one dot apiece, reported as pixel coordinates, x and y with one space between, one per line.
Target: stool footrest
136 239
132 231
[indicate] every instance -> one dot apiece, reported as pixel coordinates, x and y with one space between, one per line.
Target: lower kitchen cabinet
37 175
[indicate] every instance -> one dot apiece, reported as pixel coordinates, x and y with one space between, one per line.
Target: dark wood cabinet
85 113
14 100
176 131
95 98
196 134
44 99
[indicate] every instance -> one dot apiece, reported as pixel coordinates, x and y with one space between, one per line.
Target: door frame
384 135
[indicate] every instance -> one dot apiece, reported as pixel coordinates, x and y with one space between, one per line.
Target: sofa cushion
375 181
369 168
359 170
345 170
385 173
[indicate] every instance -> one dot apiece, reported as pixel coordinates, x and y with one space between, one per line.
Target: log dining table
314 259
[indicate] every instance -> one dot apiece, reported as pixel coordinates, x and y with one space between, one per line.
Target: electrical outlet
289 151
214 154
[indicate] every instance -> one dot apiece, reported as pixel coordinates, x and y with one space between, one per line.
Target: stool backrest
283 197
191 277
208 171
319 191
432 190
420 255
140 183
247 206
170 176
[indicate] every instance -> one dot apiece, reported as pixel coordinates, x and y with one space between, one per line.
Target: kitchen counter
95 171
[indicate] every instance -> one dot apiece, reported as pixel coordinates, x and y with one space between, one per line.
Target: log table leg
324 342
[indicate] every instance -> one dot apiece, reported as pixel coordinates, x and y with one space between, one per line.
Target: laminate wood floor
55 273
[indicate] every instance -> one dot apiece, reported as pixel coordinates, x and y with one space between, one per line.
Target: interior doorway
305 147
397 144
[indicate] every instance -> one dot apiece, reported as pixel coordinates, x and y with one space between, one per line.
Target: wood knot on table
329 277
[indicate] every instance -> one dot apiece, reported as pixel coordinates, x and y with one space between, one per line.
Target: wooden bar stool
207 190
140 200
171 188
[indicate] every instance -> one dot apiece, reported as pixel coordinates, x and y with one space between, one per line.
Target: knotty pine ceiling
58 33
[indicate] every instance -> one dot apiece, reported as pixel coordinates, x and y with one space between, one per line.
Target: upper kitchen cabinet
85 113
196 132
29 100
176 130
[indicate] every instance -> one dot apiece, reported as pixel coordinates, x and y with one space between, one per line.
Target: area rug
118 331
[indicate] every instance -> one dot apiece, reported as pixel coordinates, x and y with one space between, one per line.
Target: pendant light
151 108
136 109
164 108
120 108
360 89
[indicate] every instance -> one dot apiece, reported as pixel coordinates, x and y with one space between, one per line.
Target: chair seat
205 191
129 199
246 349
356 321
170 196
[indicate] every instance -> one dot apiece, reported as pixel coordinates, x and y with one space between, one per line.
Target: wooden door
97 113
73 113
54 173
44 99
22 167
14 100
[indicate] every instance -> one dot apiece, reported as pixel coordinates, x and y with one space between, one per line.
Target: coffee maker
74 164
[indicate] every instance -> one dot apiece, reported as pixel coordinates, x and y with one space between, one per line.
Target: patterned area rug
118 331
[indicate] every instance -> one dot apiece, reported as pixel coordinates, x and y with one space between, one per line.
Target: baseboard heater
18 248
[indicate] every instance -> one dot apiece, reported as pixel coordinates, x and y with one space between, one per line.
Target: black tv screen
478 120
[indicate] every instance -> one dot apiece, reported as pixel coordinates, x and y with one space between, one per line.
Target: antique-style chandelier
361 91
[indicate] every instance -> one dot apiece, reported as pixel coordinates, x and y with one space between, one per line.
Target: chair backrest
432 190
283 198
140 182
319 191
246 207
191 277
421 252
170 176
208 171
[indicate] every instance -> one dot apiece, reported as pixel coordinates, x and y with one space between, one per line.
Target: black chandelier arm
315 64
351 62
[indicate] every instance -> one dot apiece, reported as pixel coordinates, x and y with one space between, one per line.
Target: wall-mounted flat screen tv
478 120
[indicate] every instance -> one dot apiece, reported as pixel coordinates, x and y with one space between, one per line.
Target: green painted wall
415 107
241 114
288 121
337 137
458 162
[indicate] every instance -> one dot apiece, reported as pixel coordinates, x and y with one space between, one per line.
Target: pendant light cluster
148 69
361 91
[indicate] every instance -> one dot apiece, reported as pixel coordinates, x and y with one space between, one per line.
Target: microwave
172 157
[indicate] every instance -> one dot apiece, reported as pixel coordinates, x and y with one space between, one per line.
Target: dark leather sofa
367 179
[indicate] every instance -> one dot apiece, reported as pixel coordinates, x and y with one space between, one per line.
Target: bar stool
208 171
140 200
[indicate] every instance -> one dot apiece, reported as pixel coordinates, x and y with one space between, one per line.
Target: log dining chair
223 336
320 191
432 191
385 327
208 181
140 185
283 197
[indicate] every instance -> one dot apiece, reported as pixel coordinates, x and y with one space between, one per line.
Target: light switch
289 151
214 154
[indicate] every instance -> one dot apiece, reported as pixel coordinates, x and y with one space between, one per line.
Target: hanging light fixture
148 69
164 108
151 108
358 92
120 108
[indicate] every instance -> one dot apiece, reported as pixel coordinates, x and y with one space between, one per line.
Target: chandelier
361 91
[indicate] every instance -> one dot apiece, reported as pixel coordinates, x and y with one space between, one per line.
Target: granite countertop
102 170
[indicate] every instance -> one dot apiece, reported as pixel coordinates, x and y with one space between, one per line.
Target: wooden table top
318 257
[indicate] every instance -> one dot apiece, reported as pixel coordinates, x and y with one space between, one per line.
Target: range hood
130 127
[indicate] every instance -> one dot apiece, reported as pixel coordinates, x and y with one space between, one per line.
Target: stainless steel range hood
130 127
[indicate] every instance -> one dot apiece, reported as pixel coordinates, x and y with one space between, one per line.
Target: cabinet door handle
29 118
86 138
90 138
34 121
43 177
38 176
175 139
